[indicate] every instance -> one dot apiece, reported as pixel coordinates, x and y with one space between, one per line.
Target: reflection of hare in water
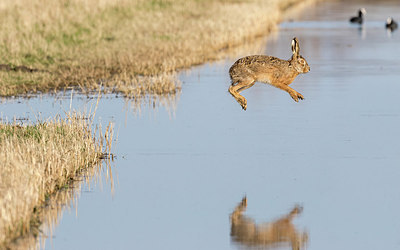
246 71
245 231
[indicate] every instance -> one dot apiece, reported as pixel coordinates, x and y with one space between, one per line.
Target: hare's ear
295 47
244 201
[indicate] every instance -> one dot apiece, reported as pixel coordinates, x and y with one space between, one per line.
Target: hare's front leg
293 93
236 89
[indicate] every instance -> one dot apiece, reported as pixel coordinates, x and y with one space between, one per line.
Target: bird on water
360 18
391 24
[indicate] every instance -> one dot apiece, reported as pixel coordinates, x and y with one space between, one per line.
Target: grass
130 47
38 160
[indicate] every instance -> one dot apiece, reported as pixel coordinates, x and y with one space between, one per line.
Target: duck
391 24
359 18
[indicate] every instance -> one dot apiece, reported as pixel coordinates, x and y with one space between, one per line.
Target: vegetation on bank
38 160
130 47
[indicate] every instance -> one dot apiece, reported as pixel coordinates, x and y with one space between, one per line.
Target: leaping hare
246 71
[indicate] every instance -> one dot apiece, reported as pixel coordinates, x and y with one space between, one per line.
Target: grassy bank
131 47
38 160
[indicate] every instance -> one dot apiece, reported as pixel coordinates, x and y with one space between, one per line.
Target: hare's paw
296 96
243 102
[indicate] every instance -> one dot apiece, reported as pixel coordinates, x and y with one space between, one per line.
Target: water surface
181 172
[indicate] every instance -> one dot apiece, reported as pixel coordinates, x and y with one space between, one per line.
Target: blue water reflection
181 172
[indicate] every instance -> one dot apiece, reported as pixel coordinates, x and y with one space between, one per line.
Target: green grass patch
22 132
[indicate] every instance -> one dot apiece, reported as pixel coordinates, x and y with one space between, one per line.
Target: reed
39 159
121 45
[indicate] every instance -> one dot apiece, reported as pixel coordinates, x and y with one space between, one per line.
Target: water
181 172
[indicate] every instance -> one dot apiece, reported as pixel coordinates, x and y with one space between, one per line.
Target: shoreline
135 93
38 162
152 43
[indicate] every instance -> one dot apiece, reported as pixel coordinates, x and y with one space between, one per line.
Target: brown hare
279 232
246 71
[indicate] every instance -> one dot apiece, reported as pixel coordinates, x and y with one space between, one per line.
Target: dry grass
133 47
50 215
38 160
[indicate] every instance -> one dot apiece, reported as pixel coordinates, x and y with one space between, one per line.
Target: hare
267 69
245 231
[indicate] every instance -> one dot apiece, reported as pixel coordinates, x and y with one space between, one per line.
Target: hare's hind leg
236 89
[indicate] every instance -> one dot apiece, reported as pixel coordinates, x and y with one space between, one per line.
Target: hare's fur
248 70
282 231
